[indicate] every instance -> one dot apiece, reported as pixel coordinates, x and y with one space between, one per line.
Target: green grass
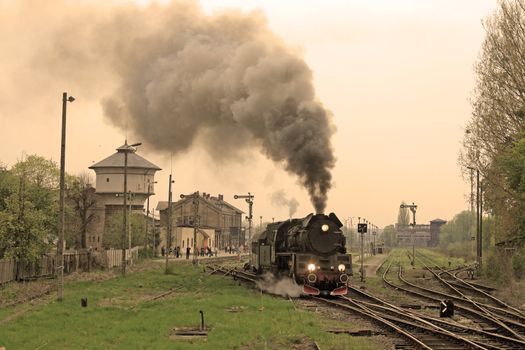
120 316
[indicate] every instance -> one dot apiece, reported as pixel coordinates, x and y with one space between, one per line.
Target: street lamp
413 209
60 250
126 149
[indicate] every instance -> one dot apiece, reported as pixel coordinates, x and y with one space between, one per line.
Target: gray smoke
182 78
284 287
278 198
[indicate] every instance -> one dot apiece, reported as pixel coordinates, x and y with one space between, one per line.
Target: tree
28 223
390 236
493 138
403 217
82 198
113 231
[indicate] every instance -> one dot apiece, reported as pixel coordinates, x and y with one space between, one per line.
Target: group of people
177 252
234 249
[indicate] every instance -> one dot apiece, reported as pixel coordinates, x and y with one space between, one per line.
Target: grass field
121 315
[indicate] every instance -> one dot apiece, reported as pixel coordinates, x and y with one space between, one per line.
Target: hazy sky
396 75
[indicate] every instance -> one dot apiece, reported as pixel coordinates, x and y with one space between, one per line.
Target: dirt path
371 264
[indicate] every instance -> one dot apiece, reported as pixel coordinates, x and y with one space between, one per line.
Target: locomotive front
322 265
311 250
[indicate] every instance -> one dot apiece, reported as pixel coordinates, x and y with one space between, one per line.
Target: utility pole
126 149
168 233
413 209
129 229
480 234
62 221
147 216
249 199
479 219
153 232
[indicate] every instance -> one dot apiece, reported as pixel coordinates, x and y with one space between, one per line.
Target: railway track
472 288
492 326
504 315
483 338
418 331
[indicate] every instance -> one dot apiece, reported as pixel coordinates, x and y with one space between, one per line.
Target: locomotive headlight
341 267
325 228
311 267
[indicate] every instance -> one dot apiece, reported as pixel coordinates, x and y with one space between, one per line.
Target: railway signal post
249 199
413 209
362 228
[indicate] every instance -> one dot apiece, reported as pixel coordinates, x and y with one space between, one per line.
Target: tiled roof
116 160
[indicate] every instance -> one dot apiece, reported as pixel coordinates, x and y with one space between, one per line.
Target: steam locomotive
310 250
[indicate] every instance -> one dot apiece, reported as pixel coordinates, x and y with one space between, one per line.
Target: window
107 179
98 237
182 244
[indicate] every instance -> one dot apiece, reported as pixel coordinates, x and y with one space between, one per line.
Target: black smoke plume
182 78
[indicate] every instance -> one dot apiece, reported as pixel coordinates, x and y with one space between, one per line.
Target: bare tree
403 217
498 120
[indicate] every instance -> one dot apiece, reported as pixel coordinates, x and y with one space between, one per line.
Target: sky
396 76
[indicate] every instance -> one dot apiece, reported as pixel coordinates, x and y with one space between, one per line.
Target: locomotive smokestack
182 78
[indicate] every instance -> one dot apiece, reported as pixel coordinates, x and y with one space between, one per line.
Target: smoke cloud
278 198
284 287
179 78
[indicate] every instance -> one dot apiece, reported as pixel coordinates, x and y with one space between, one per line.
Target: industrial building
420 235
109 192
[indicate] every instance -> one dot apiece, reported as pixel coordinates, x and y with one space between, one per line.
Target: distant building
218 222
110 188
420 235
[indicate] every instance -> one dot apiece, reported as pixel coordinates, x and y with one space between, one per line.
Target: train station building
217 223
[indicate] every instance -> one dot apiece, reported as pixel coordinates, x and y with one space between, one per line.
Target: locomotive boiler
310 250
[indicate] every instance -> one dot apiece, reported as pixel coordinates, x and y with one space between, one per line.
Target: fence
114 256
12 270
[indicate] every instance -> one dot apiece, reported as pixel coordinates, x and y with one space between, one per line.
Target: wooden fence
46 266
114 256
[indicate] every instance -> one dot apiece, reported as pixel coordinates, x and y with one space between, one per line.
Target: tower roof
116 160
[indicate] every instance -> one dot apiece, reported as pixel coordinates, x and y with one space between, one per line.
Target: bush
518 264
497 266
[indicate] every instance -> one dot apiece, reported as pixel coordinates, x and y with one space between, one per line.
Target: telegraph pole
126 149
168 234
147 219
62 221
479 218
480 234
